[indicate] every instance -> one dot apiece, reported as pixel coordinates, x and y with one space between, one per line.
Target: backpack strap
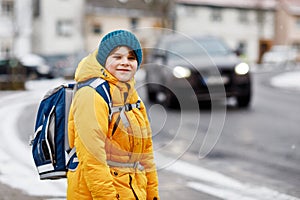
101 86
122 109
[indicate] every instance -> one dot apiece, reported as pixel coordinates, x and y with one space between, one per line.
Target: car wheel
243 101
170 100
151 95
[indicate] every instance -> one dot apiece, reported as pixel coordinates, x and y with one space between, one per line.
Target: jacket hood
89 68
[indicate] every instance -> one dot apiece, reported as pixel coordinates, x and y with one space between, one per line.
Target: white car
36 66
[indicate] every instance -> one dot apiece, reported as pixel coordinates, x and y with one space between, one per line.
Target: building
287 24
15 28
143 17
66 27
244 25
58 27
70 27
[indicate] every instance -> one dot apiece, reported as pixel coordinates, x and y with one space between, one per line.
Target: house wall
196 19
23 23
295 30
15 28
58 28
287 27
283 27
144 30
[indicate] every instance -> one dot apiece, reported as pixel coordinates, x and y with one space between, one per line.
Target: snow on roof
257 4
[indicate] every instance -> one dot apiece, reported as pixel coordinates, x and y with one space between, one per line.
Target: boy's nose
124 60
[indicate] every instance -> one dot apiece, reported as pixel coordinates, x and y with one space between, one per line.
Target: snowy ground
17 169
288 80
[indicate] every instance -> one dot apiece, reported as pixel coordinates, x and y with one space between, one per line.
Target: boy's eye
117 57
131 58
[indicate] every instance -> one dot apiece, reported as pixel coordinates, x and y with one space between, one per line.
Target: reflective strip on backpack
96 82
45 168
53 175
50 132
108 96
32 137
69 94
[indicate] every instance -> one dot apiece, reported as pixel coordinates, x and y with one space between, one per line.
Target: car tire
171 100
243 101
151 95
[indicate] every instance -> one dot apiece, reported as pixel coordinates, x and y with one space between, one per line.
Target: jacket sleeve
148 161
90 113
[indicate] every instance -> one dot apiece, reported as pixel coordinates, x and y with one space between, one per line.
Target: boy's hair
115 39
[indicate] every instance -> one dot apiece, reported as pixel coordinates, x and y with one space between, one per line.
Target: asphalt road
258 146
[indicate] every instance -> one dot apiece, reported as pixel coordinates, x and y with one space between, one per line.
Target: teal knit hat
119 38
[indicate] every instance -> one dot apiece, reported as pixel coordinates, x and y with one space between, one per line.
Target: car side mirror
237 52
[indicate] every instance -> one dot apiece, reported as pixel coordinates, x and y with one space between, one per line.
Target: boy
115 152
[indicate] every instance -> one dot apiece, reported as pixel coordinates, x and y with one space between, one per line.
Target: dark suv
201 67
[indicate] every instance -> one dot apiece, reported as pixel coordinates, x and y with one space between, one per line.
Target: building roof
251 4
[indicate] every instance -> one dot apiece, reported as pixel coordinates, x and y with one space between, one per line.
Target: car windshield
201 47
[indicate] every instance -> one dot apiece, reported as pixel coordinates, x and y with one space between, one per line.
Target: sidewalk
14 194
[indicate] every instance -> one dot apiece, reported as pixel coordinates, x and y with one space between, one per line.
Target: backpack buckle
128 107
138 105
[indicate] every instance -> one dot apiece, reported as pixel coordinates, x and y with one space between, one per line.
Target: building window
97 29
243 16
298 23
5 50
190 11
36 8
241 48
64 28
260 16
216 15
7 8
134 23
296 46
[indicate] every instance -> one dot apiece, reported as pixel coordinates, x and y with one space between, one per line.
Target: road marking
217 184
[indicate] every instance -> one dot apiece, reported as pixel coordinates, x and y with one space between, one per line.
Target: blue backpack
51 152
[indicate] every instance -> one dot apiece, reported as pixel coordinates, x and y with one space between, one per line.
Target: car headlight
242 69
181 72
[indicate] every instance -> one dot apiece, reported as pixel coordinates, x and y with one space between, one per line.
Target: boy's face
122 63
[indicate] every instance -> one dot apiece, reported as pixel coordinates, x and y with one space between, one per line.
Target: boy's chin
124 79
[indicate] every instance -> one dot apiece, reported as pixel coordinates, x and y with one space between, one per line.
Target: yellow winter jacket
90 131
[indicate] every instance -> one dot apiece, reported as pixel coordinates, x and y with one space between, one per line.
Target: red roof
250 4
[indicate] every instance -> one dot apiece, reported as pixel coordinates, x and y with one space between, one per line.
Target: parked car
204 67
12 74
64 65
280 56
36 67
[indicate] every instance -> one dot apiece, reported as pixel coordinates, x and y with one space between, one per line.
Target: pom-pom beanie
118 38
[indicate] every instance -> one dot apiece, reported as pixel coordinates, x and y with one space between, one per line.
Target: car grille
201 85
